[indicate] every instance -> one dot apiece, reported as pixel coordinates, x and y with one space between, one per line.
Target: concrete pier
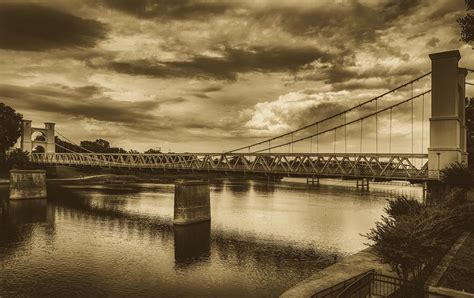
27 184
191 202
362 184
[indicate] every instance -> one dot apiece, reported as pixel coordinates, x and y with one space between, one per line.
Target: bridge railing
384 166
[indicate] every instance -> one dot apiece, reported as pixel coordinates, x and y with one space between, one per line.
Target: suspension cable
348 123
73 142
335 115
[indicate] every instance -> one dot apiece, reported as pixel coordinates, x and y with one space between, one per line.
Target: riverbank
348 267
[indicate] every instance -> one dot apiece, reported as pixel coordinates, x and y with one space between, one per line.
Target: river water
119 240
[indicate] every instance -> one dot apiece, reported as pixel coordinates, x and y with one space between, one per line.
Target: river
119 240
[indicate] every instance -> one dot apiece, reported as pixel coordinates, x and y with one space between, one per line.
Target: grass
460 273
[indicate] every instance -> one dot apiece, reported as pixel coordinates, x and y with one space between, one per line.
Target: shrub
458 175
17 159
413 237
403 206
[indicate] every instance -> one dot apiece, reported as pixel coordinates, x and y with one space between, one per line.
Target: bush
403 206
17 159
458 175
414 236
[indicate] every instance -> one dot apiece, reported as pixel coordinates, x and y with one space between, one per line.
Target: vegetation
414 236
467 23
10 130
102 146
470 130
17 159
457 175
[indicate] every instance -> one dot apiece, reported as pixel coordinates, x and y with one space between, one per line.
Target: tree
153 151
470 130
467 23
10 129
17 159
457 175
414 236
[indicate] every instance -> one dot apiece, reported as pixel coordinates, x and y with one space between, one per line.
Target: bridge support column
447 122
27 184
191 202
362 184
312 180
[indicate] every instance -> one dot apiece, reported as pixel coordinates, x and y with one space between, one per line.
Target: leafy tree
17 159
414 242
467 23
470 130
153 151
10 129
457 175
403 206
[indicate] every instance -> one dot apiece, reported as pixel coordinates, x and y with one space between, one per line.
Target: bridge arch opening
38 136
39 149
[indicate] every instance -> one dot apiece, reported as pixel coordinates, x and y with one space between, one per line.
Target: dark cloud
234 61
81 102
432 42
32 27
348 21
169 9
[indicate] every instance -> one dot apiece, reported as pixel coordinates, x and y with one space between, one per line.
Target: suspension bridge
410 132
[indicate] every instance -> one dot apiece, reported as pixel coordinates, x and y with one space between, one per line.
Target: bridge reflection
192 244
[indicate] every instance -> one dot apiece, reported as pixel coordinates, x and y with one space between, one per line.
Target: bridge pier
362 184
27 184
312 180
191 202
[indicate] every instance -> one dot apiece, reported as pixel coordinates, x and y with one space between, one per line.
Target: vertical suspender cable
317 138
422 122
376 127
345 132
335 132
292 145
361 127
412 135
269 146
311 145
390 141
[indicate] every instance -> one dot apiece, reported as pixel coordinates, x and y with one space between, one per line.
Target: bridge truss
342 165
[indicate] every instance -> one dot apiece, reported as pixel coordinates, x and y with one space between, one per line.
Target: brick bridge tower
37 139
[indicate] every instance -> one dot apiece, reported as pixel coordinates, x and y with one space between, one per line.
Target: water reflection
114 240
192 243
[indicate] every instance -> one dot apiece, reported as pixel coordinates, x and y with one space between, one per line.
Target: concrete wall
27 184
191 202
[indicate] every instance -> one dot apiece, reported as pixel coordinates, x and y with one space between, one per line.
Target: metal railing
372 284
335 290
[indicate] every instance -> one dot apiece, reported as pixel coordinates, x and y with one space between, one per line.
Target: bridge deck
358 165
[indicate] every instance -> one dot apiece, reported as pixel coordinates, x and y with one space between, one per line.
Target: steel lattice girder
394 166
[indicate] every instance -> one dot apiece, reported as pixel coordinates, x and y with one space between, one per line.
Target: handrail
334 288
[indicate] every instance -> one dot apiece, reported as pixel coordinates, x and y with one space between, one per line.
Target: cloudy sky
191 75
